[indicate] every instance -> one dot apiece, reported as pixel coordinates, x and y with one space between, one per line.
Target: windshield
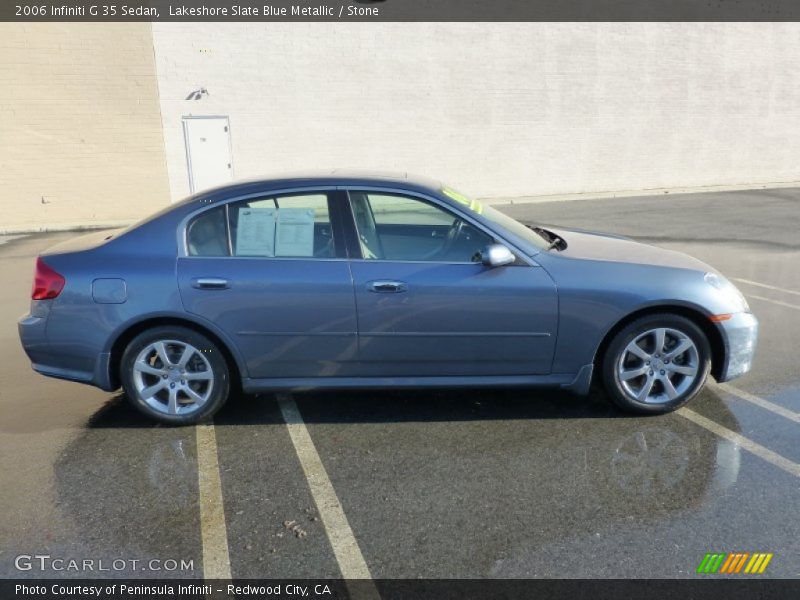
495 216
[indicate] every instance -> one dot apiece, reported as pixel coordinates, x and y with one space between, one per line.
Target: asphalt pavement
439 484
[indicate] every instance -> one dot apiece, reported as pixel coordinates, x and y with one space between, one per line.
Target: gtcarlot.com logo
734 563
46 562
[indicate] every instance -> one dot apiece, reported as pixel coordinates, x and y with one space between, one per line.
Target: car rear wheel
656 364
175 375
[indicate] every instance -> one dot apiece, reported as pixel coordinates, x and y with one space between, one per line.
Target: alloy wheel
658 366
173 377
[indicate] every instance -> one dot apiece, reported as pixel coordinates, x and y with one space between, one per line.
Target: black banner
399 10
738 588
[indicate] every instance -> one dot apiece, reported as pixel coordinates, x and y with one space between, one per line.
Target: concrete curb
4 239
639 193
54 228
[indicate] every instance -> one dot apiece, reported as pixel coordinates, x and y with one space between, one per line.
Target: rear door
272 272
427 308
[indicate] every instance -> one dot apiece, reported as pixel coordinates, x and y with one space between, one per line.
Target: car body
362 280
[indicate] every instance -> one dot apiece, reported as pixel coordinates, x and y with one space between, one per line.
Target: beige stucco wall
80 128
497 109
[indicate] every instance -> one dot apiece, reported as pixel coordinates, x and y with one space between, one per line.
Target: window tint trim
355 248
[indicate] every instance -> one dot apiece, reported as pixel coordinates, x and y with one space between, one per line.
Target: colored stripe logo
734 563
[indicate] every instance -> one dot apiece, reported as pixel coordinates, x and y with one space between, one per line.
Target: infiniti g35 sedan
345 280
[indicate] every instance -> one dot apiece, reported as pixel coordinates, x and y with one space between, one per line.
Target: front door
426 308
271 272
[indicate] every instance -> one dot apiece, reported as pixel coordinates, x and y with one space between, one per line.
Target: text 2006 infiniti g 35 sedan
344 280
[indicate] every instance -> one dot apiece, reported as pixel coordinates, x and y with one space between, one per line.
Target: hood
83 242
598 246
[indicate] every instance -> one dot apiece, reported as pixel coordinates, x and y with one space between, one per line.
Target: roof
335 177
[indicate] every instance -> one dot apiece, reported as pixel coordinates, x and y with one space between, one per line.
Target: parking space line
345 547
758 401
213 531
752 447
778 302
764 285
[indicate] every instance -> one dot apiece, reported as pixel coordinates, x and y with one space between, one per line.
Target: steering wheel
452 236
449 239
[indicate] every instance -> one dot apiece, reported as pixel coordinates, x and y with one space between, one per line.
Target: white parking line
758 401
764 285
754 448
345 547
778 302
213 532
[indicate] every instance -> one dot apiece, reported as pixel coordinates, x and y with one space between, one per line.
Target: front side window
290 226
396 227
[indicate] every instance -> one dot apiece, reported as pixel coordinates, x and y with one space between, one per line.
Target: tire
168 391
634 361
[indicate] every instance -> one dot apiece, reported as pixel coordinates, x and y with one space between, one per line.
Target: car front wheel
175 375
656 364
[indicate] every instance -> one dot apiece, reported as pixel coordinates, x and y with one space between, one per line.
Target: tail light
47 283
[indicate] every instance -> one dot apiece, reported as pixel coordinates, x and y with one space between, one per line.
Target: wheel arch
694 313
131 330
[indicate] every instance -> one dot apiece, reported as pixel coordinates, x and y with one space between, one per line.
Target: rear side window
295 226
207 235
286 226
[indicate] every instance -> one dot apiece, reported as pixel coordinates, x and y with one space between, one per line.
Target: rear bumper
33 335
100 377
740 334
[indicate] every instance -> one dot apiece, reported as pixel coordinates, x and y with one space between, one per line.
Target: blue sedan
343 280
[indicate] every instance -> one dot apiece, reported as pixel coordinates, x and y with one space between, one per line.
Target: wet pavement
440 484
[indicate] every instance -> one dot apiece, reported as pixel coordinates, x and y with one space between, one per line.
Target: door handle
210 283
384 286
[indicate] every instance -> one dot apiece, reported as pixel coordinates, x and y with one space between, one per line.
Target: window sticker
295 232
473 205
255 234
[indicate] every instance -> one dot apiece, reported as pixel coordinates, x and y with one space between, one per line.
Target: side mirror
497 255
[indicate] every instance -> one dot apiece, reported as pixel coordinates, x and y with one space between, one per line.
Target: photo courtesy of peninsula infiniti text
347 280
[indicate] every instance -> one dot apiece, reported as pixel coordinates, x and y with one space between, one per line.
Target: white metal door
208 151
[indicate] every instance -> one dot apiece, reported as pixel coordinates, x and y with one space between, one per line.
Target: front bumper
740 335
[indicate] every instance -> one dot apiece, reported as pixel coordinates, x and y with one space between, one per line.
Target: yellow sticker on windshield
473 205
